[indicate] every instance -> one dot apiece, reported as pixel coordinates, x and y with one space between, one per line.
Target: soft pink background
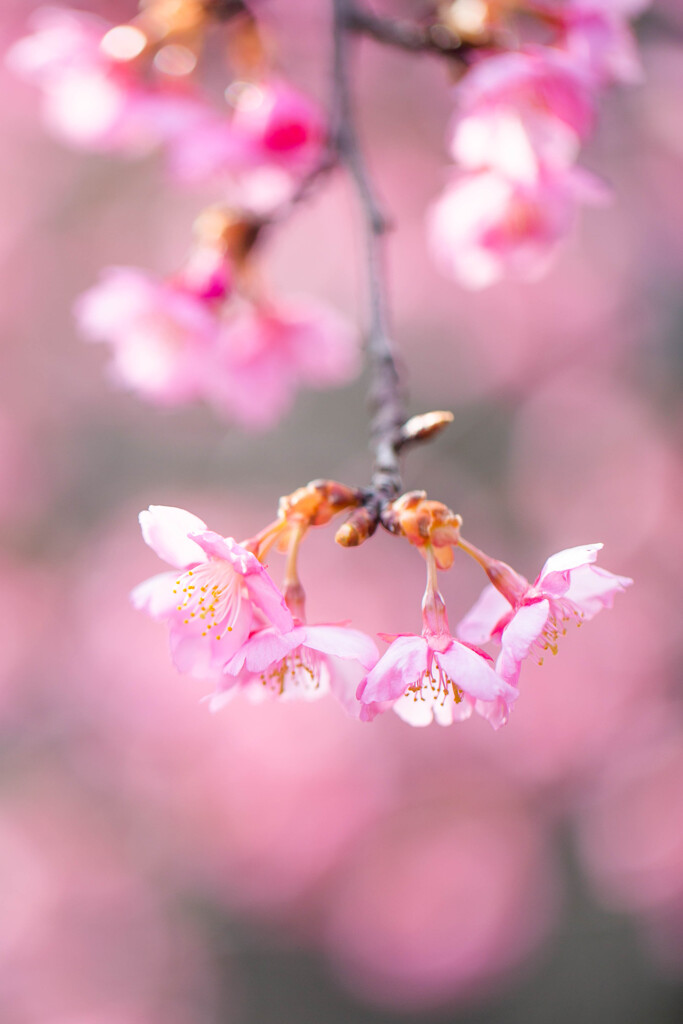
283 863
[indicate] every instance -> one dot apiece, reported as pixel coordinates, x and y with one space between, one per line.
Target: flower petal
263 649
483 616
519 636
343 642
471 672
155 595
592 588
400 666
570 558
165 529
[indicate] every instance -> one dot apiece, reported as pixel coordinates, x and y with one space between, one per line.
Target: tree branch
387 399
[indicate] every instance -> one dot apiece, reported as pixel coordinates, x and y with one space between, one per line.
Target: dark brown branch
387 398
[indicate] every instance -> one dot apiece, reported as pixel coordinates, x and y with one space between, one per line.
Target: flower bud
317 502
360 525
425 522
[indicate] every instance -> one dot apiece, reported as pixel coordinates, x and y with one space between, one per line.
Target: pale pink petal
495 712
519 636
592 588
483 616
343 642
165 529
471 672
402 665
262 649
570 558
266 596
155 595
203 656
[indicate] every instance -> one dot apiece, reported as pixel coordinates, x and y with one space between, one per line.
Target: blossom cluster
522 115
211 331
231 625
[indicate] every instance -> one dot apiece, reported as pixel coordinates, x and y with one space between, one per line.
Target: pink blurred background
283 863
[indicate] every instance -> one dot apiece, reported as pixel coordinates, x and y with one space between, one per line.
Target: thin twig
405 35
387 398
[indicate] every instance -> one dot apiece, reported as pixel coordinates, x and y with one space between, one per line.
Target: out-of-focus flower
631 834
273 127
267 352
299 664
486 226
521 114
84 937
162 335
530 618
221 594
599 41
438 903
93 97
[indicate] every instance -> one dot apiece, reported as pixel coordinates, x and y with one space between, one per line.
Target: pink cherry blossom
162 335
273 128
486 227
221 593
434 677
521 113
598 39
267 353
529 618
299 664
91 97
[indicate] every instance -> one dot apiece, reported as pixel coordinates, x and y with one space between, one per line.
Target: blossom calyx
425 523
317 503
230 232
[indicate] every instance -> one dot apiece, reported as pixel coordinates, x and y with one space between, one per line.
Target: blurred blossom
613 441
632 835
90 98
162 336
266 353
272 126
82 935
28 630
173 343
441 901
486 226
598 39
521 114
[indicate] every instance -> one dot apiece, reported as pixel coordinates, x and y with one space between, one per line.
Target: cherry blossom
162 334
485 226
221 593
434 677
521 113
92 95
298 664
266 353
273 138
528 619
596 36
